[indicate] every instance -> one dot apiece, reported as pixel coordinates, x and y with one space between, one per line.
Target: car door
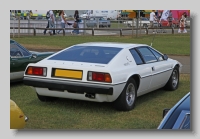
144 70
92 22
160 68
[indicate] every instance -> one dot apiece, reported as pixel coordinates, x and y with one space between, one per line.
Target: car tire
126 100
45 98
173 81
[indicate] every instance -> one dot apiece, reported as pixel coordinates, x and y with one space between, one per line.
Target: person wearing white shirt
52 22
152 18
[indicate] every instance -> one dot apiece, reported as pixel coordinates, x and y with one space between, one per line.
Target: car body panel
93 22
121 67
175 116
17 118
22 58
143 22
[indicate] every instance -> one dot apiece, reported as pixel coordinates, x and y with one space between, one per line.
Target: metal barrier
35 27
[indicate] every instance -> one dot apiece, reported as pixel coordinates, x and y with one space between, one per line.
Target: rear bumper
71 87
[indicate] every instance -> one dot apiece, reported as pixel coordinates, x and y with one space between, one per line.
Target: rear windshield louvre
89 54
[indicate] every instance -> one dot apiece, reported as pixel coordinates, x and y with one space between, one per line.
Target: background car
178 117
188 22
17 117
143 23
20 57
103 72
93 22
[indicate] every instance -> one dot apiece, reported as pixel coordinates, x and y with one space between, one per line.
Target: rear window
90 54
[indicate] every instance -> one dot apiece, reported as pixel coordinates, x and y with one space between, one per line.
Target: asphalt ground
185 61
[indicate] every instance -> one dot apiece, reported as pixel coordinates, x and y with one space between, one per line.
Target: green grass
176 44
76 114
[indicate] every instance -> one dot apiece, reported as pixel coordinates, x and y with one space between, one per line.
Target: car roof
111 44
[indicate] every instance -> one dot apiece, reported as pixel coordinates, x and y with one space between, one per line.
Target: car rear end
77 73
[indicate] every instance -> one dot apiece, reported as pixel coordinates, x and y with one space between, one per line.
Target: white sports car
103 72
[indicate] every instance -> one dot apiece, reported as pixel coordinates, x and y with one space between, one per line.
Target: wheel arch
137 78
179 66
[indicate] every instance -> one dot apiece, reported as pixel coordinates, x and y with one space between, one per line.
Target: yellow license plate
74 74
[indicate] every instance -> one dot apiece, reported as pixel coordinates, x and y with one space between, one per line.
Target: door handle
153 68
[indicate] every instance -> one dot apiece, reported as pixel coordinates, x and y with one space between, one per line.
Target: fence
36 27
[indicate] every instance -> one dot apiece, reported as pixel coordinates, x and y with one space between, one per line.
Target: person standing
152 18
48 18
170 18
181 29
184 16
52 22
63 20
77 20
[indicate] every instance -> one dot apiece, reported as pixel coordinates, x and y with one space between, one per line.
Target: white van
110 14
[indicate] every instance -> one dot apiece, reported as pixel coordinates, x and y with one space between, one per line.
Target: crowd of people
157 19
50 16
153 19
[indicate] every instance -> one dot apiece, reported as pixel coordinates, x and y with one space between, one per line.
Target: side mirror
34 56
165 111
165 57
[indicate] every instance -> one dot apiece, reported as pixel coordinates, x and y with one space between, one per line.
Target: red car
165 23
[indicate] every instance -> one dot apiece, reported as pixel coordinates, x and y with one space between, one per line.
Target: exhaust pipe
92 96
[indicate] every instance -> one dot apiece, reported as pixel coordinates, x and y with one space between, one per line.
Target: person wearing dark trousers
47 17
46 29
77 20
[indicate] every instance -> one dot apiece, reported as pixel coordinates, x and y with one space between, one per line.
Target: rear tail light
99 76
38 71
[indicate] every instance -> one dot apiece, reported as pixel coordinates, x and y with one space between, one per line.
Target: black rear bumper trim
71 88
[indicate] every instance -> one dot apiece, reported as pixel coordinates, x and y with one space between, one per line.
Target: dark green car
20 57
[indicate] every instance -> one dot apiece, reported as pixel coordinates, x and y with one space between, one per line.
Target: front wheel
126 100
173 81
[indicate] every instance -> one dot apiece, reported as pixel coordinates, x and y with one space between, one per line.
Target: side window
136 57
23 51
14 51
147 55
158 55
183 120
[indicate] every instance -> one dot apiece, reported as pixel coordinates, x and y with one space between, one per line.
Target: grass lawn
76 114
177 44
